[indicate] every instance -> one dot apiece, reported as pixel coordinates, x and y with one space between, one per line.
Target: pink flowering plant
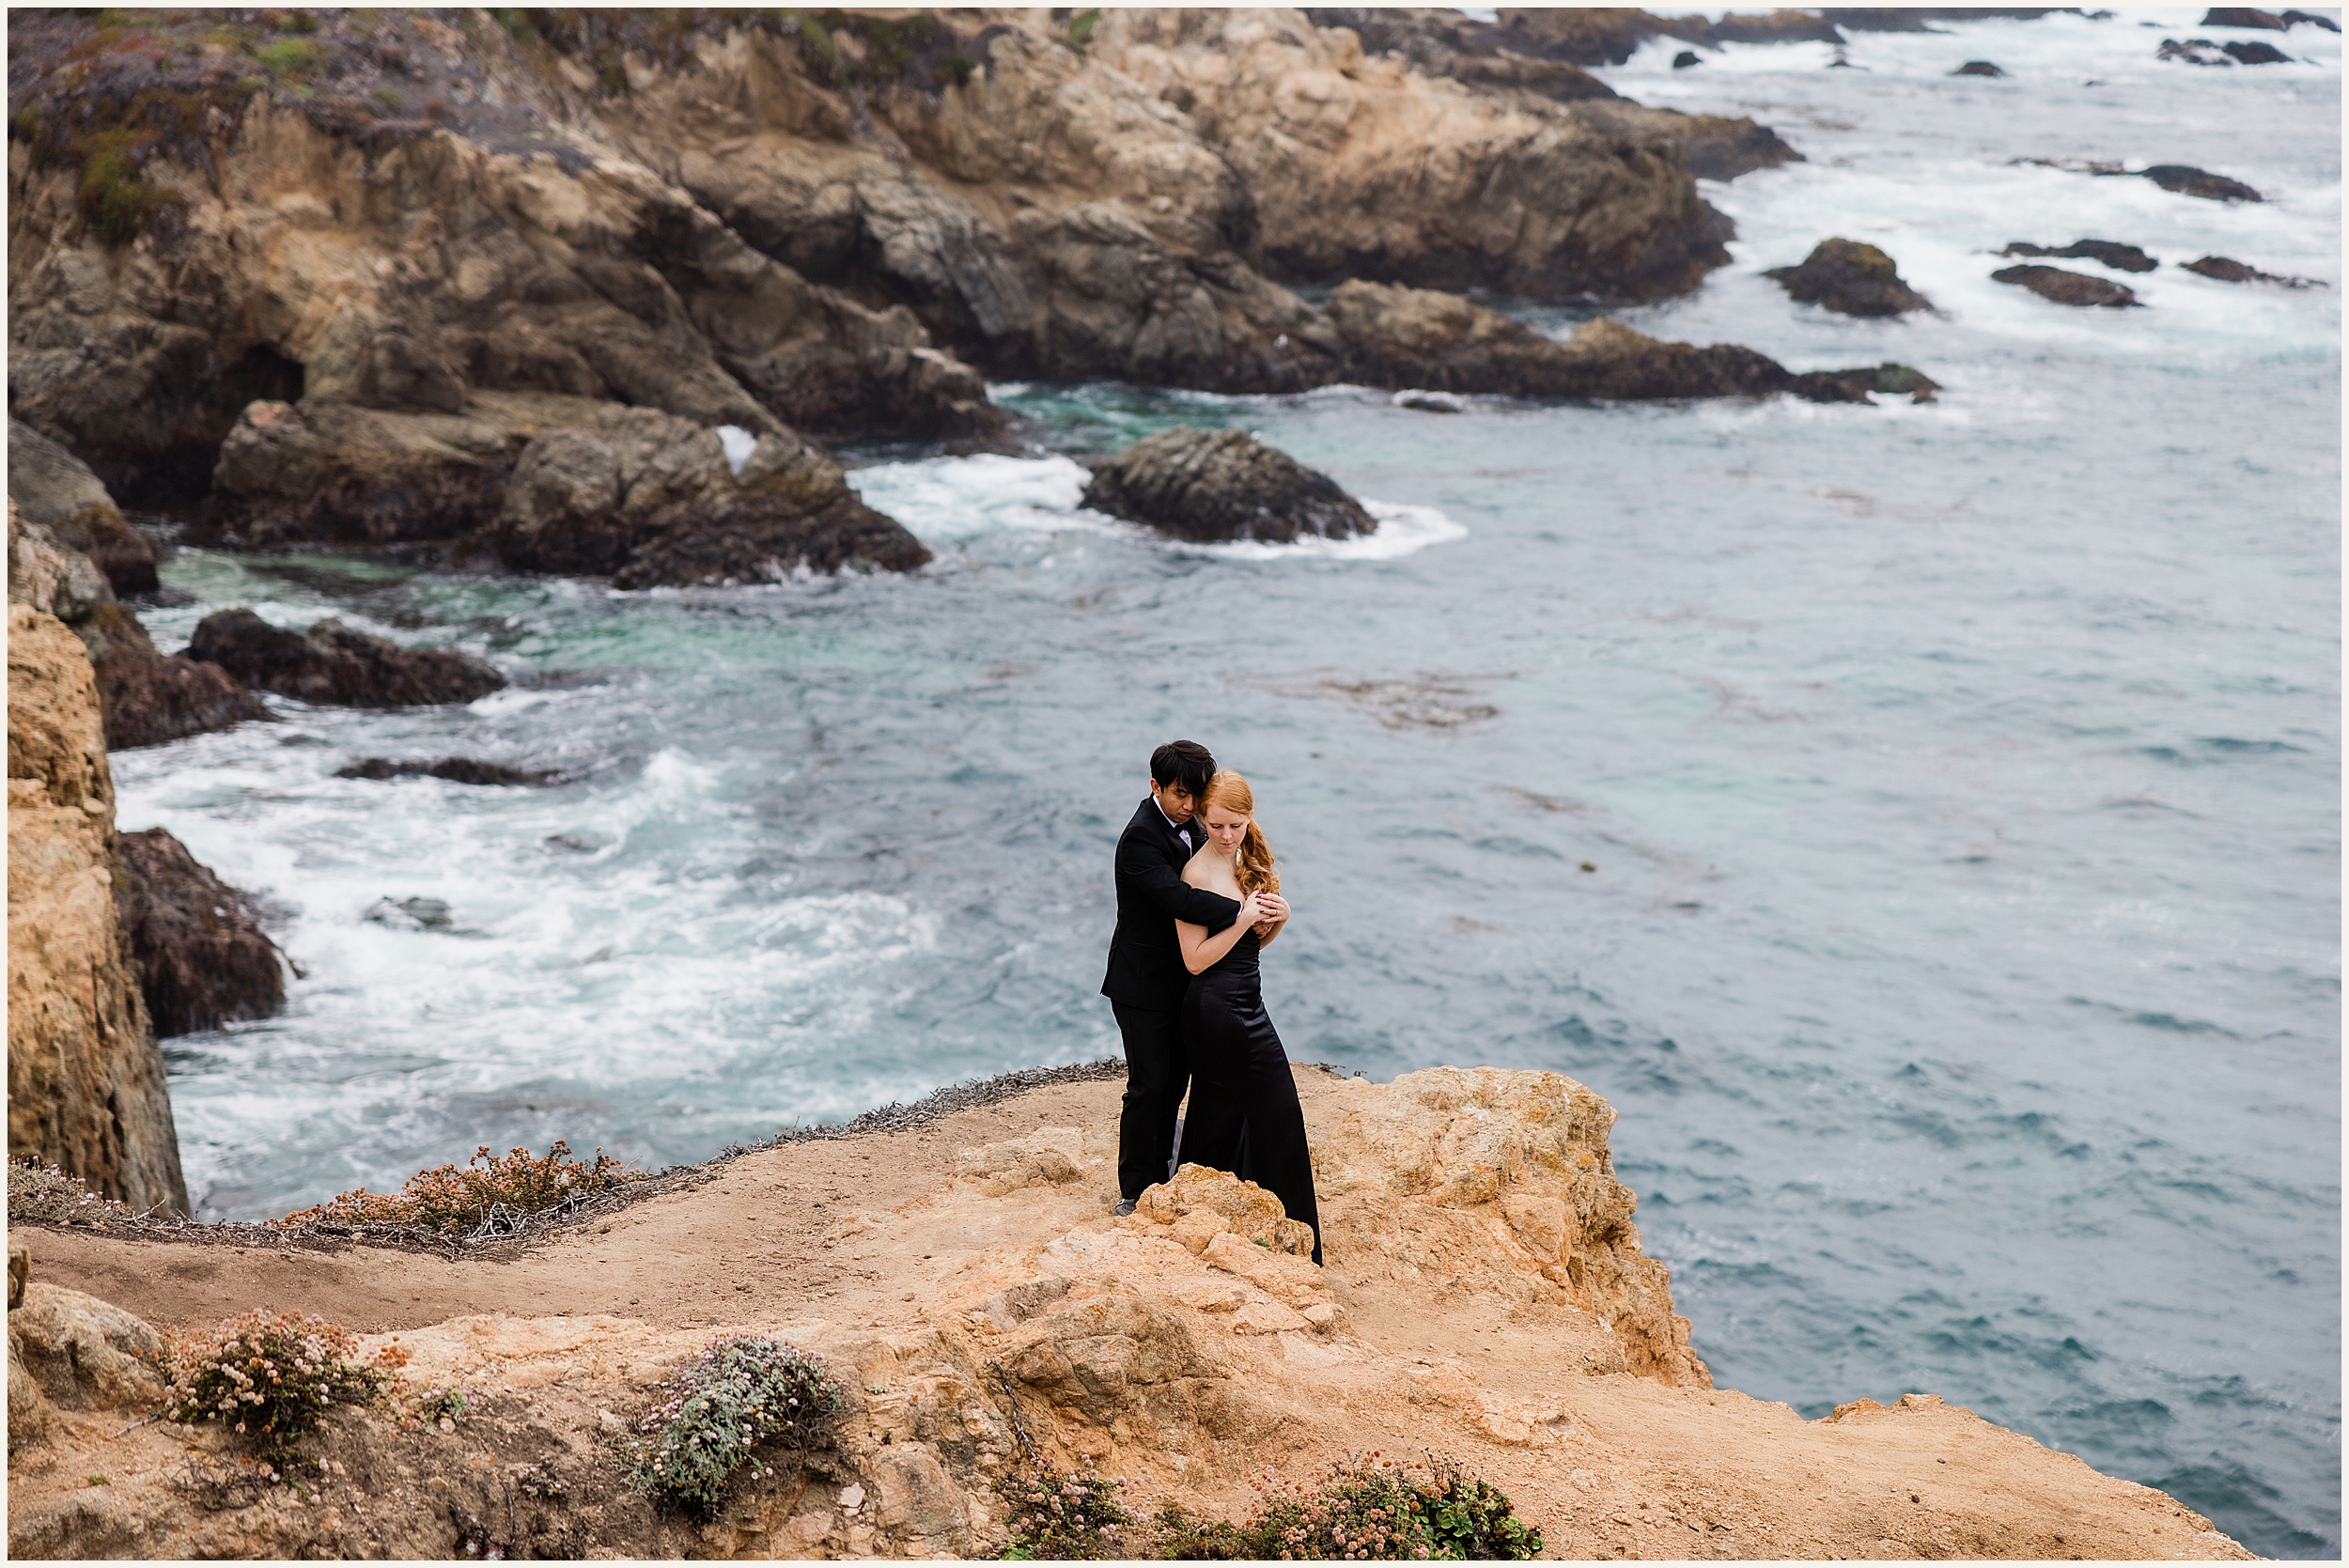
1060 1516
1371 1510
716 1410
268 1377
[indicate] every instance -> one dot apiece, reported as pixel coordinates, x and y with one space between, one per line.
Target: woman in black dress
1244 1117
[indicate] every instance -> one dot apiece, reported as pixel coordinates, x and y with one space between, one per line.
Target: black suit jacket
1145 957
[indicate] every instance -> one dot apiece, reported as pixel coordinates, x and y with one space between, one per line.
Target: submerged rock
1214 486
2189 181
2253 53
2126 258
2067 288
2245 16
1440 342
1686 59
651 498
1978 67
204 960
2194 51
464 770
332 664
2225 269
1850 277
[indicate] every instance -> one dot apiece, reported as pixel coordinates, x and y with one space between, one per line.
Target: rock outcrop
61 500
1852 278
333 663
1486 1299
338 281
63 514
203 958
2124 258
1215 486
2067 287
1406 337
648 499
86 1080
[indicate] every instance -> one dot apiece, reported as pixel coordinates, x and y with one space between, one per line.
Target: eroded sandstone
1486 1297
85 1080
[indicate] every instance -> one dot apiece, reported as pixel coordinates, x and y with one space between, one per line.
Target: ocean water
1923 823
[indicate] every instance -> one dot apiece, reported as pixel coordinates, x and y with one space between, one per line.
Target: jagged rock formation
340 279
648 497
1212 486
339 665
2125 258
1850 277
203 957
58 514
1487 1298
2067 287
61 500
85 1080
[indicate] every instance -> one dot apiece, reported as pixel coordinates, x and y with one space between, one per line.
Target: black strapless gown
1244 1117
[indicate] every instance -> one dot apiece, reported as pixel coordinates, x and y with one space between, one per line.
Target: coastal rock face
1212 486
1851 278
85 1080
1358 167
648 497
145 698
1421 338
2067 287
203 958
338 664
59 498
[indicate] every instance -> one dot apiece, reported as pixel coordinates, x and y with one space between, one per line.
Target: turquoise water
1959 785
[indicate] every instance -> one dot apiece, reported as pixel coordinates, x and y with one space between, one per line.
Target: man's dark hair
1186 763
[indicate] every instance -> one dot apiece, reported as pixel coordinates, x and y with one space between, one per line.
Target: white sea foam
739 444
955 500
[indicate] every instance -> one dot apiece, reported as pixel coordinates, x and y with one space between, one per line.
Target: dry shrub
267 1375
39 1193
488 1195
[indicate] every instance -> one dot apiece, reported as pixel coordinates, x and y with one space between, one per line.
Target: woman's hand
1275 908
1251 909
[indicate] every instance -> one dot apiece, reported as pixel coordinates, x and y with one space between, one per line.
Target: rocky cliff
86 1080
1487 1297
333 273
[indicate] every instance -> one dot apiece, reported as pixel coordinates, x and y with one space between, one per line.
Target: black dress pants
1157 1073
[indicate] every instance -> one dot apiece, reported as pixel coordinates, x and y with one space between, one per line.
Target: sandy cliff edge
1486 1297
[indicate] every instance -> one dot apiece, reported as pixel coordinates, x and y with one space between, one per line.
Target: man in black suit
1146 978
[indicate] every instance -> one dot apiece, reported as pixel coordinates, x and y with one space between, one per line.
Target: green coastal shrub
268 1376
716 1407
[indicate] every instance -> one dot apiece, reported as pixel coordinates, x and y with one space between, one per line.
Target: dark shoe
1125 1207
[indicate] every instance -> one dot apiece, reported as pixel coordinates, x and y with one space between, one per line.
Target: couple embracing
1197 898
